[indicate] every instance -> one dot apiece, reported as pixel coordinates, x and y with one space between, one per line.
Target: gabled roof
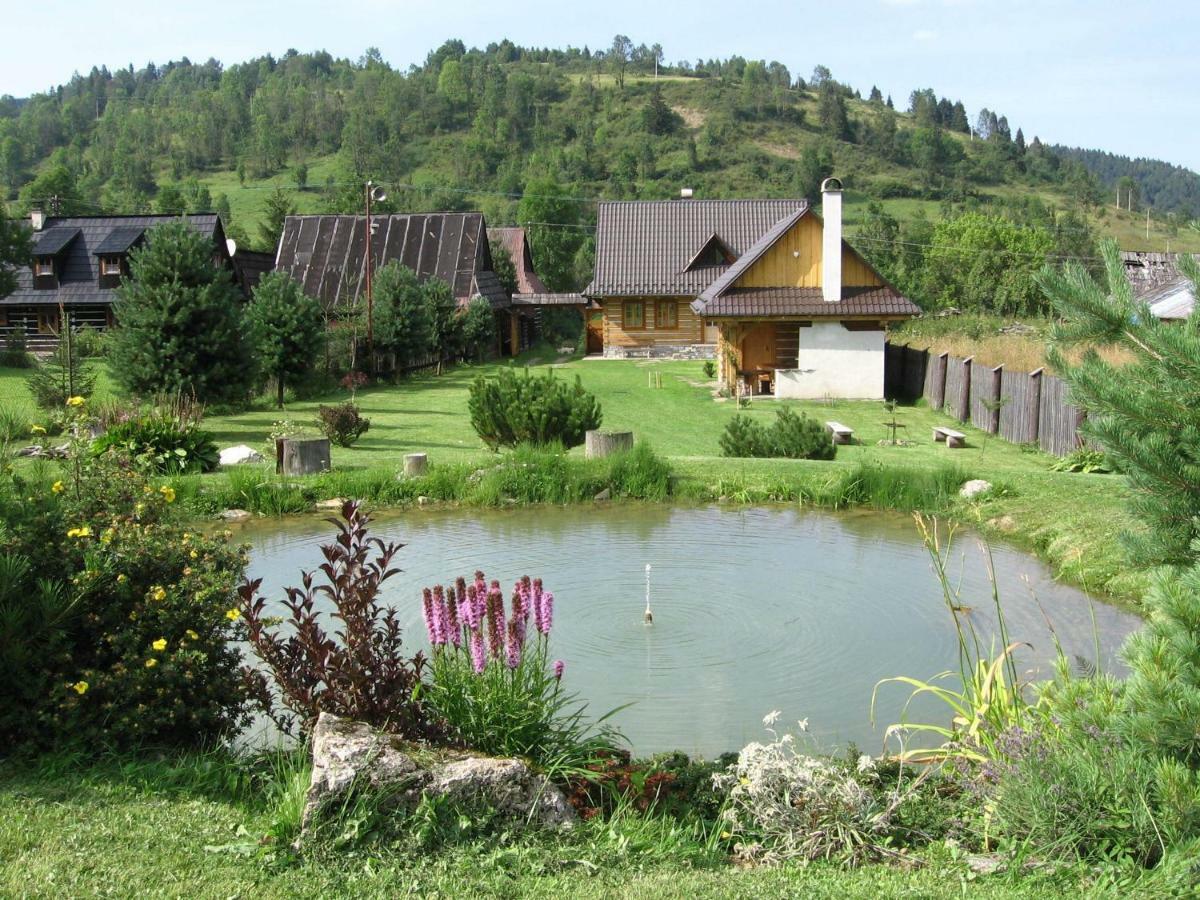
747 259
53 241
1173 300
643 248
326 254
119 240
516 242
79 275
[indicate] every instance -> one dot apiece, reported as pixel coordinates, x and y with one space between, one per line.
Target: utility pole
1147 223
370 304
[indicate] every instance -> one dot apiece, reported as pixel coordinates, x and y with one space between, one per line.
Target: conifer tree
287 329
180 321
63 374
1145 414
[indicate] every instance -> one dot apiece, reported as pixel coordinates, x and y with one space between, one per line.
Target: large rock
349 753
976 487
238 454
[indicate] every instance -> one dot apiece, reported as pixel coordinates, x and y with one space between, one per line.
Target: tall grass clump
903 488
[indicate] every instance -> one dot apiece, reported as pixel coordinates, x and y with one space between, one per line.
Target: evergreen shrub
512 409
790 435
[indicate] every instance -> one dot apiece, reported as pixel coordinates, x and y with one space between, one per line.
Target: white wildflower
803 723
865 764
771 718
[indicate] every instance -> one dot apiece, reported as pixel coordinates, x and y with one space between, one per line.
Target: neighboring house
532 295
325 254
788 307
78 262
1156 280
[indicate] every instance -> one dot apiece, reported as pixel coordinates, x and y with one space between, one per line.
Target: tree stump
301 456
415 464
598 444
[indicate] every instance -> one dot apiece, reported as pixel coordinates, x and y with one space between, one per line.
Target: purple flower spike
452 623
559 665
427 603
514 644
439 616
538 616
547 612
495 618
478 655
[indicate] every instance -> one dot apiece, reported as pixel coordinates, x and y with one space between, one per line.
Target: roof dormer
713 252
49 248
113 253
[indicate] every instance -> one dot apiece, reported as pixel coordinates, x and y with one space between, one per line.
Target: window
666 314
110 265
43 265
633 314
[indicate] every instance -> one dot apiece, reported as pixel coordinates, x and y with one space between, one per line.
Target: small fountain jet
648 617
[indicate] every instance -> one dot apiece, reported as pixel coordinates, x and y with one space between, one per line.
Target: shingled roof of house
76 240
649 248
326 253
516 242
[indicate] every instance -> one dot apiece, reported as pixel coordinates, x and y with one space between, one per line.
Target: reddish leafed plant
359 670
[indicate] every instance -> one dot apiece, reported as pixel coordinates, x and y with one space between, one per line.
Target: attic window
713 253
110 265
43 265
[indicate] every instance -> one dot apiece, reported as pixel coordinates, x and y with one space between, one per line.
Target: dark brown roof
79 277
325 253
516 242
644 247
251 265
746 260
53 241
809 303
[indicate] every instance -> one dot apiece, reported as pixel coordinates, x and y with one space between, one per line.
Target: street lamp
373 193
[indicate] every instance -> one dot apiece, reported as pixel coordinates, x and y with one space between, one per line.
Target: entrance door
595 331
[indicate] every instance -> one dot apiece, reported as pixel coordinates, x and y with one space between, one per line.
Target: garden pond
755 609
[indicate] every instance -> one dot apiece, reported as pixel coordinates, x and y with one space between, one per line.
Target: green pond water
755 609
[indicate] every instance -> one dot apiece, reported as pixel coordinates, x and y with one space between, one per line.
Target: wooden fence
1021 407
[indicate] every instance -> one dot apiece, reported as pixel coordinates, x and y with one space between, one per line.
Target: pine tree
832 112
63 374
287 329
1145 414
403 324
15 248
180 321
278 207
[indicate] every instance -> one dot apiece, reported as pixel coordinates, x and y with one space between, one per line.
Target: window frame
626 305
43 267
672 306
110 265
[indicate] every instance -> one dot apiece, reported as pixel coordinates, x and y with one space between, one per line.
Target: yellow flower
158 592
80 687
232 615
191 634
168 492
37 429
151 663
122 578
75 401
81 532
193 554
57 487
146 489
160 645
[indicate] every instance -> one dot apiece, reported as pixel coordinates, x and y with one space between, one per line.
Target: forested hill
480 128
1148 182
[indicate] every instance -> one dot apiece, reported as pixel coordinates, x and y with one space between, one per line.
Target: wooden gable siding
690 328
781 267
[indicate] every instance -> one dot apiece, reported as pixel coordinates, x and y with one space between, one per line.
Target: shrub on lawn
15 355
361 671
159 442
116 626
512 409
493 681
792 436
343 424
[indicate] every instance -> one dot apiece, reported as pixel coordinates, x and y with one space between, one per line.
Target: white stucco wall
834 362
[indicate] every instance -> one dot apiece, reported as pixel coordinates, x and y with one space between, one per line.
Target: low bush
1084 461
790 436
159 443
14 423
361 671
116 626
91 343
343 424
710 369
494 684
15 354
640 474
513 409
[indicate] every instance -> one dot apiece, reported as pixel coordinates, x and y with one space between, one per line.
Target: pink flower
538 617
547 612
514 644
453 626
495 618
559 665
478 655
427 602
439 616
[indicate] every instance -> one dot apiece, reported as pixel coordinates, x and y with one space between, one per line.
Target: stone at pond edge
349 753
235 515
238 454
976 487
605 494
332 503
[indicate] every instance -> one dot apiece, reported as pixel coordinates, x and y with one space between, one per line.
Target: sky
1116 76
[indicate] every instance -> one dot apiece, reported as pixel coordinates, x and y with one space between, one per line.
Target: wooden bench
840 433
954 439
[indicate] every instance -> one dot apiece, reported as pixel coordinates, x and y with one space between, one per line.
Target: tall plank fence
1021 407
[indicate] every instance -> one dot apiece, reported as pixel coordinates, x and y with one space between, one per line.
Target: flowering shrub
161 445
784 804
113 623
493 681
360 672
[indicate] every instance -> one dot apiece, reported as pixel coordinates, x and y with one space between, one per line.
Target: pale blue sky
1120 76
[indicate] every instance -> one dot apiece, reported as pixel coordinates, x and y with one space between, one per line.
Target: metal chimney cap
831 184
685 193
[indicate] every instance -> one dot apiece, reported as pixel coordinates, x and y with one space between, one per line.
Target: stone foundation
663 351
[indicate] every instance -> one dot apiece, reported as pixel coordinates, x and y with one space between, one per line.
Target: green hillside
478 129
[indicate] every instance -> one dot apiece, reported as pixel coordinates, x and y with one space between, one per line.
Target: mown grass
203 827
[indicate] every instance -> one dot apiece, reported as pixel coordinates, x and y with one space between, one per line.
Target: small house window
43 265
667 314
634 314
110 265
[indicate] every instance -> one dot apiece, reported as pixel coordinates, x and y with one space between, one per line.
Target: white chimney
685 193
831 240
37 219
